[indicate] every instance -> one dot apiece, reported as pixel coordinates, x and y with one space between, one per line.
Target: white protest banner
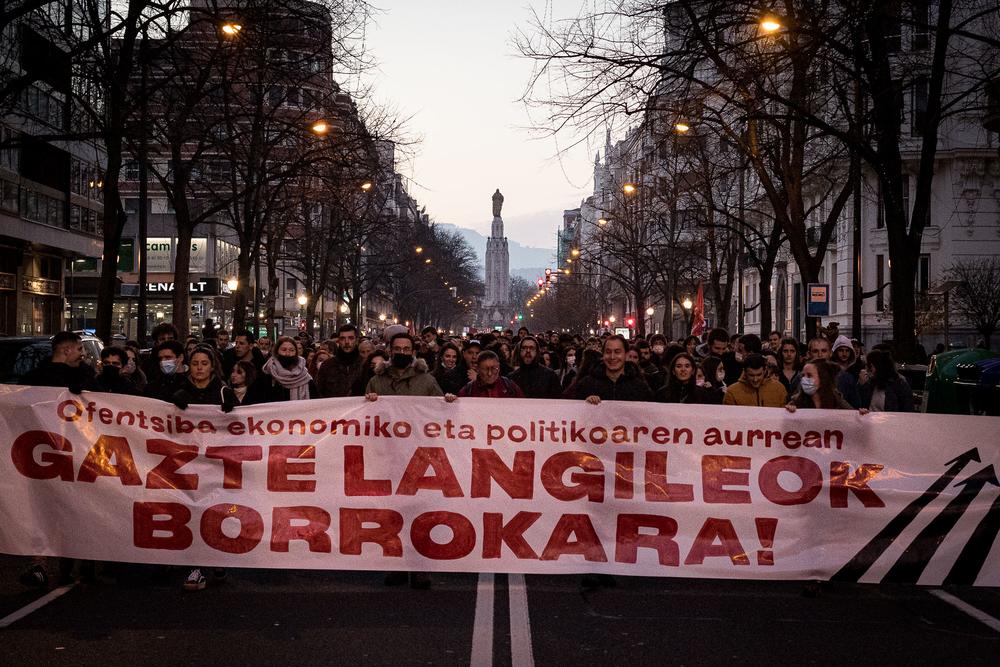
495 485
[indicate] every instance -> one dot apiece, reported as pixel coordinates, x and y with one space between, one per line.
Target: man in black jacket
340 375
243 349
66 368
534 379
168 376
613 379
110 380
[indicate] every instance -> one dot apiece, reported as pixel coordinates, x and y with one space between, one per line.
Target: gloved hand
227 402
181 399
75 388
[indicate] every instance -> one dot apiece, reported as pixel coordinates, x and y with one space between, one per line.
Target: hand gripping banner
494 485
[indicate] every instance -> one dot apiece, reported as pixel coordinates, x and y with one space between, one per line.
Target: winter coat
630 385
164 386
537 381
339 374
414 380
265 389
117 384
689 392
57 374
847 380
502 388
791 386
452 381
770 394
216 392
898 395
229 360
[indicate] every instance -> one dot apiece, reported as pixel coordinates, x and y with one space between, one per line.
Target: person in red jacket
488 383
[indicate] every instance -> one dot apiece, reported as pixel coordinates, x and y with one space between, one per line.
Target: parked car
940 395
19 355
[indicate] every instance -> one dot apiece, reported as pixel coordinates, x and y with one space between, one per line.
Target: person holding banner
404 375
488 383
285 377
168 370
613 379
755 387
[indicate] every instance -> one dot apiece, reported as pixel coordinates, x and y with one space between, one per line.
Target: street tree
976 294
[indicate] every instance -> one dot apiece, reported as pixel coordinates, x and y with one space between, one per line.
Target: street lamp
688 305
344 308
233 284
231 29
381 317
320 127
303 300
770 24
611 319
575 252
629 188
650 311
682 128
366 186
419 249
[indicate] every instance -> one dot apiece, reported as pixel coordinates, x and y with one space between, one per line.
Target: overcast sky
452 66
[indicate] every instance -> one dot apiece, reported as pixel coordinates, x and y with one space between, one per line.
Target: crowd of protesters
715 369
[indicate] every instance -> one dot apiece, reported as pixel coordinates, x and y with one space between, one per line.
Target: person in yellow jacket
755 387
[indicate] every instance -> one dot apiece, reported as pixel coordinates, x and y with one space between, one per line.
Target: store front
210 298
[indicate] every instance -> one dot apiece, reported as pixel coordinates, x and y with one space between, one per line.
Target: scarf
295 379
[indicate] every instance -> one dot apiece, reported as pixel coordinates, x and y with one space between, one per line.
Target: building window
8 151
918 106
921 18
923 274
880 208
906 195
833 289
879 281
291 284
131 170
8 196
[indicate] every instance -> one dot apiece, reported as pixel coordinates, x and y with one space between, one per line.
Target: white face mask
808 386
658 349
168 366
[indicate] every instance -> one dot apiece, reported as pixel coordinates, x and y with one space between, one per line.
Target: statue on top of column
497 203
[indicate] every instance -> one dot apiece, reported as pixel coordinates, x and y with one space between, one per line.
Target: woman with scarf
285 377
682 384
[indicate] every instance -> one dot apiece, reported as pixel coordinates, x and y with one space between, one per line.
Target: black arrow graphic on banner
871 552
916 557
970 561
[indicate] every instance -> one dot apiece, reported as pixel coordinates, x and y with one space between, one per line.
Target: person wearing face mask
713 375
567 370
110 379
682 385
755 387
404 375
818 389
132 370
168 370
657 346
285 377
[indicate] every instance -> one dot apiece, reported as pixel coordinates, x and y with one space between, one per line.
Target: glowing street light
770 24
650 311
233 284
419 249
366 186
688 305
629 188
381 317
602 221
320 127
611 319
682 128
575 252
303 300
231 29
344 308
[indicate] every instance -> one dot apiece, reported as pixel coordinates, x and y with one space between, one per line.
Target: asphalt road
323 618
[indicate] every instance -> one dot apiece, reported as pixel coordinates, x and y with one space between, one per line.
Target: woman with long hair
885 389
567 369
447 361
242 377
818 388
682 384
285 377
790 365
591 358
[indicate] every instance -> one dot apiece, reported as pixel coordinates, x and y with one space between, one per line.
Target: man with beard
534 379
340 373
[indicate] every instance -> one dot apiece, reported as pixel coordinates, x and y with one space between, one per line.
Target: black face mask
287 362
111 372
402 360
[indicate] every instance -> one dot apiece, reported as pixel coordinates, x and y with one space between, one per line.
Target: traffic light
630 322
520 317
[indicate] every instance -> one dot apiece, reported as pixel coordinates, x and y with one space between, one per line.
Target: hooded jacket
770 394
630 385
414 380
847 379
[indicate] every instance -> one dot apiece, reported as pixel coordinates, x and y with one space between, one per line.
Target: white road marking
521 654
482 626
967 608
55 593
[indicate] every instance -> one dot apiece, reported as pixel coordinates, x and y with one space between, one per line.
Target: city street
304 618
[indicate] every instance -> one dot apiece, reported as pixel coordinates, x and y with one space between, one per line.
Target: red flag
698 312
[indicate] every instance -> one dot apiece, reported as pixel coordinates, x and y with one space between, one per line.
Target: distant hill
524 260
